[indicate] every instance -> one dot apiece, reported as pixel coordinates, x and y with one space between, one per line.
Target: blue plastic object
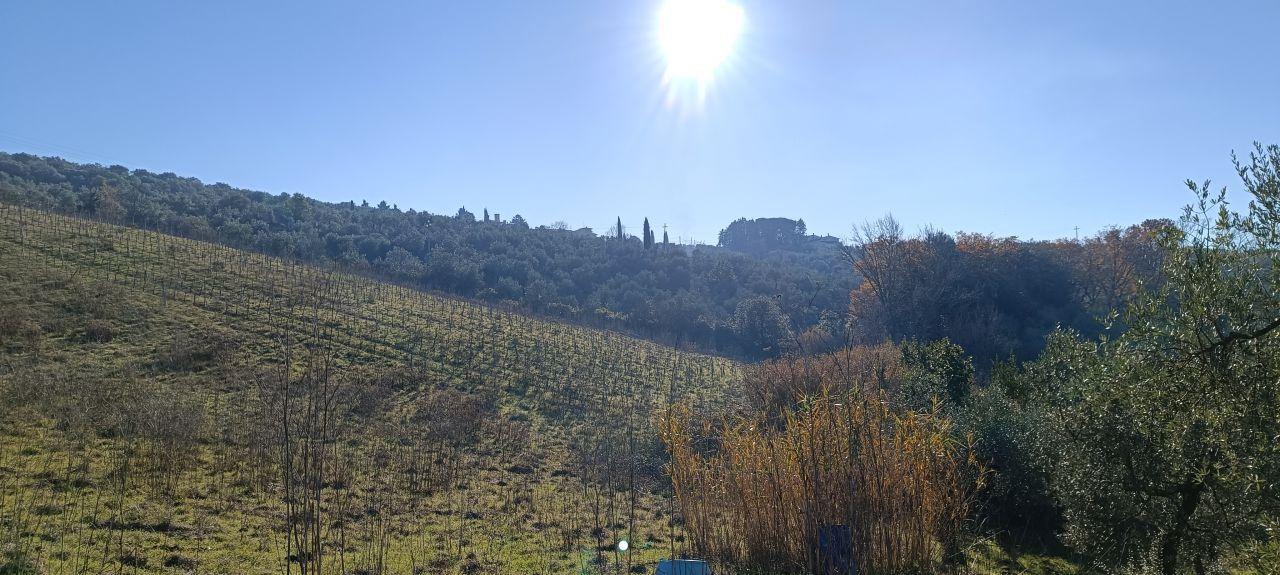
835 551
683 567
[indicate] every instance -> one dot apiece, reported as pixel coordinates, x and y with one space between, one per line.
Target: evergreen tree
1169 430
486 214
619 228
648 235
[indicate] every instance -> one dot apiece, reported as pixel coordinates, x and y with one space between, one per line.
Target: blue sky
1008 117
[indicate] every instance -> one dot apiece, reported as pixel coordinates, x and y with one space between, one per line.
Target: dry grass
755 490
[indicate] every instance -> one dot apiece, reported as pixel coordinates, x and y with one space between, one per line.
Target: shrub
101 331
188 353
1011 439
939 369
759 499
14 562
98 299
774 387
451 416
17 326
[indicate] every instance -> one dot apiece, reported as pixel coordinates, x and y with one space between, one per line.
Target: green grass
987 557
98 311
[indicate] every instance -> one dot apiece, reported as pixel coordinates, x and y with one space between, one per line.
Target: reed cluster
756 490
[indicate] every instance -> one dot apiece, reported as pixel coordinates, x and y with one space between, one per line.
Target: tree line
768 287
678 294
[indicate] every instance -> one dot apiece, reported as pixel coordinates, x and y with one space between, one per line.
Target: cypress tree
648 235
619 227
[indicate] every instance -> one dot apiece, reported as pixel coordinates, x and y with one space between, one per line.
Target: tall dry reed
755 490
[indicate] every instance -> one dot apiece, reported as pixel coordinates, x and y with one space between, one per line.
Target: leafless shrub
170 426
96 298
17 325
450 416
101 331
186 352
775 387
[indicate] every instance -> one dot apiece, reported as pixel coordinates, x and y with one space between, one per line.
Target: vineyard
170 405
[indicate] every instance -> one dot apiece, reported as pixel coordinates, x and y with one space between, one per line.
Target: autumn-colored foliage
755 491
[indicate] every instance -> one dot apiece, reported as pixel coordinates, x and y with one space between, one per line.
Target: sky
1014 118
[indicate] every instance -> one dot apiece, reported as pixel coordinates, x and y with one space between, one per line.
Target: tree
648 235
665 240
465 216
1169 431
764 235
486 214
761 326
400 263
107 204
939 369
618 228
878 256
992 296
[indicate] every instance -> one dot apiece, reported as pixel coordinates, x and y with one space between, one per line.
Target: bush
97 299
188 353
1010 439
939 369
101 331
451 416
775 387
17 326
14 562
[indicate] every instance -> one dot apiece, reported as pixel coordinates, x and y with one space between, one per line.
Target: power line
57 149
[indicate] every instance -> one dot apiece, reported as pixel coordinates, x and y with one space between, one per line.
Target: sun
697 36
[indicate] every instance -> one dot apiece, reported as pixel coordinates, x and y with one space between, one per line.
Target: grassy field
135 434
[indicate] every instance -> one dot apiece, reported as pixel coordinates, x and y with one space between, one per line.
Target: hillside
768 287
145 389
681 294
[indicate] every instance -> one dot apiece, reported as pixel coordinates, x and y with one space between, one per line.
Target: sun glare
697 36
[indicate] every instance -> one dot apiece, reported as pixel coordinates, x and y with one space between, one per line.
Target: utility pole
1077 233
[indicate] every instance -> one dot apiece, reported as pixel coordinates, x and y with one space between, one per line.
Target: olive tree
1170 432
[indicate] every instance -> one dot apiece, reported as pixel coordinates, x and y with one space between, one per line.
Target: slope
173 405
